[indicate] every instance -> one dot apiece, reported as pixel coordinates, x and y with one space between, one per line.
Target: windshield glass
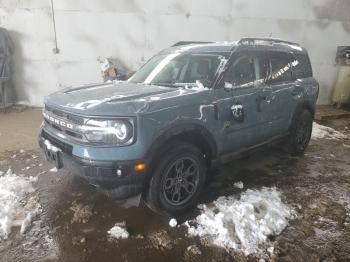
180 70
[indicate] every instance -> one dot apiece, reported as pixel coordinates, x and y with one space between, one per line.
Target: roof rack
190 42
252 40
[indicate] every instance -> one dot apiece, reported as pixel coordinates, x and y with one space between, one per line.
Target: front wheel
178 180
300 133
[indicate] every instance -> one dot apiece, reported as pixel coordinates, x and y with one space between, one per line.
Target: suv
192 106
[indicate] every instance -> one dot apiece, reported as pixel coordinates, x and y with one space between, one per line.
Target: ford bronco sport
190 107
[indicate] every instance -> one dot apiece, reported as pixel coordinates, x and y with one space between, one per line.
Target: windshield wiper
195 85
185 84
163 84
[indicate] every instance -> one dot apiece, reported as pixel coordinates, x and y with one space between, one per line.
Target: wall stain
346 26
336 10
322 24
178 8
239 5
122 6
289 26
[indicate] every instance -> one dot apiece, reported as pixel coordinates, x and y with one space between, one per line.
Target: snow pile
118 231
320 131
243 224
18 205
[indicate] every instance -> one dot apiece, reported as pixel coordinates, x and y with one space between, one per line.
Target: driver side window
241 71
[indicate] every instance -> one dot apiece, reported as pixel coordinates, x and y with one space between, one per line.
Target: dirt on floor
19 128
75 218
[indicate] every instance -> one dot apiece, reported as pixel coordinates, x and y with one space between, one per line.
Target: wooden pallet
330 112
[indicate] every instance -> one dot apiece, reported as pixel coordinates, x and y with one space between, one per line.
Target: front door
244 103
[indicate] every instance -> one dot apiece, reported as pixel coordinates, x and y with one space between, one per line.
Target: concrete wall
133 30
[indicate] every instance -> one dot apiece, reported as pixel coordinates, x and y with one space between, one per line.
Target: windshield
180 70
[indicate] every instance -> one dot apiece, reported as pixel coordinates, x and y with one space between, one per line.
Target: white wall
133 30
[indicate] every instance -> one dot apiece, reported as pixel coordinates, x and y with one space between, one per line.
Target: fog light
140 166
119 173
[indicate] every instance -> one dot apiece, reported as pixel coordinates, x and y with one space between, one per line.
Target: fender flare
179 128
304 105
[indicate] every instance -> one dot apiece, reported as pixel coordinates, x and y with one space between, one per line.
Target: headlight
110 132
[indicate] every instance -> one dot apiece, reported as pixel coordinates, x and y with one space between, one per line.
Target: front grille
51 115
66 148
78 120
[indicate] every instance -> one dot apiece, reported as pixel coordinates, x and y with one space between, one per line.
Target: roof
244 44
201 47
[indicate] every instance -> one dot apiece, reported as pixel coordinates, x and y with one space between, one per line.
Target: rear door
284 90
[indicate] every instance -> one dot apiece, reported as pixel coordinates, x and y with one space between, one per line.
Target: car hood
111 99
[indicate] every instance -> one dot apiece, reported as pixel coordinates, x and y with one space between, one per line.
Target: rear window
280 67
301 66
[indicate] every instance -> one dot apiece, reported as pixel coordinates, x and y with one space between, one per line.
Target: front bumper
101 174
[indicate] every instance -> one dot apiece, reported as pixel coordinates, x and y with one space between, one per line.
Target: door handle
265 94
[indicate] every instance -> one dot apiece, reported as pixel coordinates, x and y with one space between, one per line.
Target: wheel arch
187 132
304 105
308 105
174 135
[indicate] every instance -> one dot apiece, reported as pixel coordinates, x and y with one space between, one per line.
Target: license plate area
53 154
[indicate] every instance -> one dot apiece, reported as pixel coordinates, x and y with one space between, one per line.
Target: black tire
300 133
169 178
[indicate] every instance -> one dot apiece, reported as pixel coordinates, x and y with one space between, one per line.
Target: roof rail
250 40
190 42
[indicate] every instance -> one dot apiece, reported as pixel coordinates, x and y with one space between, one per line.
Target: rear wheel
177 180
300 133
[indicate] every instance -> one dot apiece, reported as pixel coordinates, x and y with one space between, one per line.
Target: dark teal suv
190 107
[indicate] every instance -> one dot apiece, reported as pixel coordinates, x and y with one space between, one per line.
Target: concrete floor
75 217
19 128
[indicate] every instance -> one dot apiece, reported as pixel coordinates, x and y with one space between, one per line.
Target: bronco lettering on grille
58 121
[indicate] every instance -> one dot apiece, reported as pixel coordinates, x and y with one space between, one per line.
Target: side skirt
239 154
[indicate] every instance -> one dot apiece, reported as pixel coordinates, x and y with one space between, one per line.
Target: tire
177 180
300 133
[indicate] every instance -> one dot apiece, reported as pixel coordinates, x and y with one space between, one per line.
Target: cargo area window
301 66
280 67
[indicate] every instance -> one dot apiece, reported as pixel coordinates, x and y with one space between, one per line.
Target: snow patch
18 205
54 170
51 147
320 131
239 185
243 224
194 250
29 219
118 231
173 222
